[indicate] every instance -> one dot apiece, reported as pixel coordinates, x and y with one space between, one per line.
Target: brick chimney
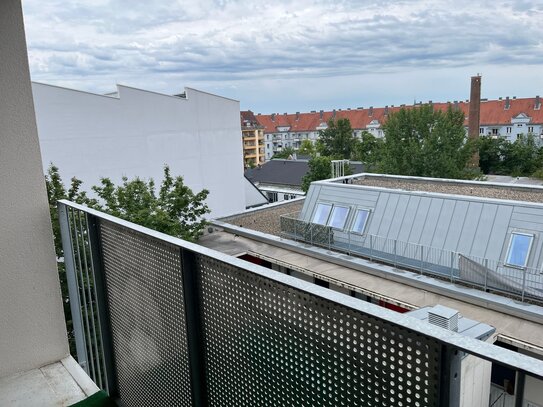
474 114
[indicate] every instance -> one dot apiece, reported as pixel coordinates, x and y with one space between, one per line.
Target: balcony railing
524 283
162 322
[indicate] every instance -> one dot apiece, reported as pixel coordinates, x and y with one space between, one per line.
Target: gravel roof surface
265 220
507 191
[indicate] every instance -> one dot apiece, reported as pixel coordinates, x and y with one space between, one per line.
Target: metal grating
269 344
146 303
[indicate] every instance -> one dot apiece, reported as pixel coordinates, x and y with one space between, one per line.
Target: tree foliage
307 148
319 168
368 150
520 158
175 210
426 142
337 140
285 153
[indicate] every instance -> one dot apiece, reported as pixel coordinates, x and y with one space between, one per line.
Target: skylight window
339 217
360 220
321 213
519 249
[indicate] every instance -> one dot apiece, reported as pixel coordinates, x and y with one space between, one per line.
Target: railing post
195 337
486 274
395 253
329 230
421 258
452 266
523 284
371 247
349 242
73 287
102 305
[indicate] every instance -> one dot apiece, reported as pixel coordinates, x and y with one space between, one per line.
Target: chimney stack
475 114
386 110
321 113
507 103
273 117
297 115
370 112
537 104
334 114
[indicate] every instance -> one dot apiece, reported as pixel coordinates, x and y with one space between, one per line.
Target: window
272 197
339 217
360 220
519 249
481 130
321 213
530 129
495 131
509 130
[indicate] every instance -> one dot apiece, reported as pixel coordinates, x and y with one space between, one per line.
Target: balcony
162 322
525 284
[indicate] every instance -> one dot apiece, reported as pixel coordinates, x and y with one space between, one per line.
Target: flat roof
482 189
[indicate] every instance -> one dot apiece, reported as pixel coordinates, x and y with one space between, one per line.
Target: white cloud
168 44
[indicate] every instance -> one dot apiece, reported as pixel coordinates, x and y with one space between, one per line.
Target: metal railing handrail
456 266
469 345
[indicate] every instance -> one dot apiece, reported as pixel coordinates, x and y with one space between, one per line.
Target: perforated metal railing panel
267 344
145 298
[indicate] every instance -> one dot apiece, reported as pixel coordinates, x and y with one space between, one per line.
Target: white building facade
134 132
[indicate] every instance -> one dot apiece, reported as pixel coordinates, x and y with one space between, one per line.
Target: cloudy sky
286 56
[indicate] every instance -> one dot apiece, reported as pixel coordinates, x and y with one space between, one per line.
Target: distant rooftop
515 192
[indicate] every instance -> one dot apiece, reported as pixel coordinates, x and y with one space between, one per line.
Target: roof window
322 213
360 220
519 249
339 217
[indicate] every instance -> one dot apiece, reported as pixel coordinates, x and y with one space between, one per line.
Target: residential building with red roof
504 117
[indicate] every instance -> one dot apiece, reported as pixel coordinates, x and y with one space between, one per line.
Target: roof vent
444 317
313 111
360 107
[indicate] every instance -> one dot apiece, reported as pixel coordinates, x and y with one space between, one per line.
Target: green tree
368 150
337 140
306 148
176 210
492 154
426 142
522 157
285 153
319 168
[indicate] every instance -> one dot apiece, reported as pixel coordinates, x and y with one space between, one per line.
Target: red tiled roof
492 113
248 120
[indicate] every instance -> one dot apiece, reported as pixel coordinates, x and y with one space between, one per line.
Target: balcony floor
59 384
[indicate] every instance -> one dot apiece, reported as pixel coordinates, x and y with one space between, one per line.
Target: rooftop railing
162 322
524 283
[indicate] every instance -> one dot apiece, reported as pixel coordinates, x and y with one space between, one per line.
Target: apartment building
252 134
505 117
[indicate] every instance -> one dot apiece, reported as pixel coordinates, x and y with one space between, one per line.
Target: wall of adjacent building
135 132
32 329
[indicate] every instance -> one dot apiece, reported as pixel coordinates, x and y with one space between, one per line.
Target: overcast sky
286 56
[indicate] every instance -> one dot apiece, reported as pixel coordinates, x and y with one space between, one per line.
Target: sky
286 56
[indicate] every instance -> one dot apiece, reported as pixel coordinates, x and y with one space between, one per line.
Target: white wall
136 132
32 330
